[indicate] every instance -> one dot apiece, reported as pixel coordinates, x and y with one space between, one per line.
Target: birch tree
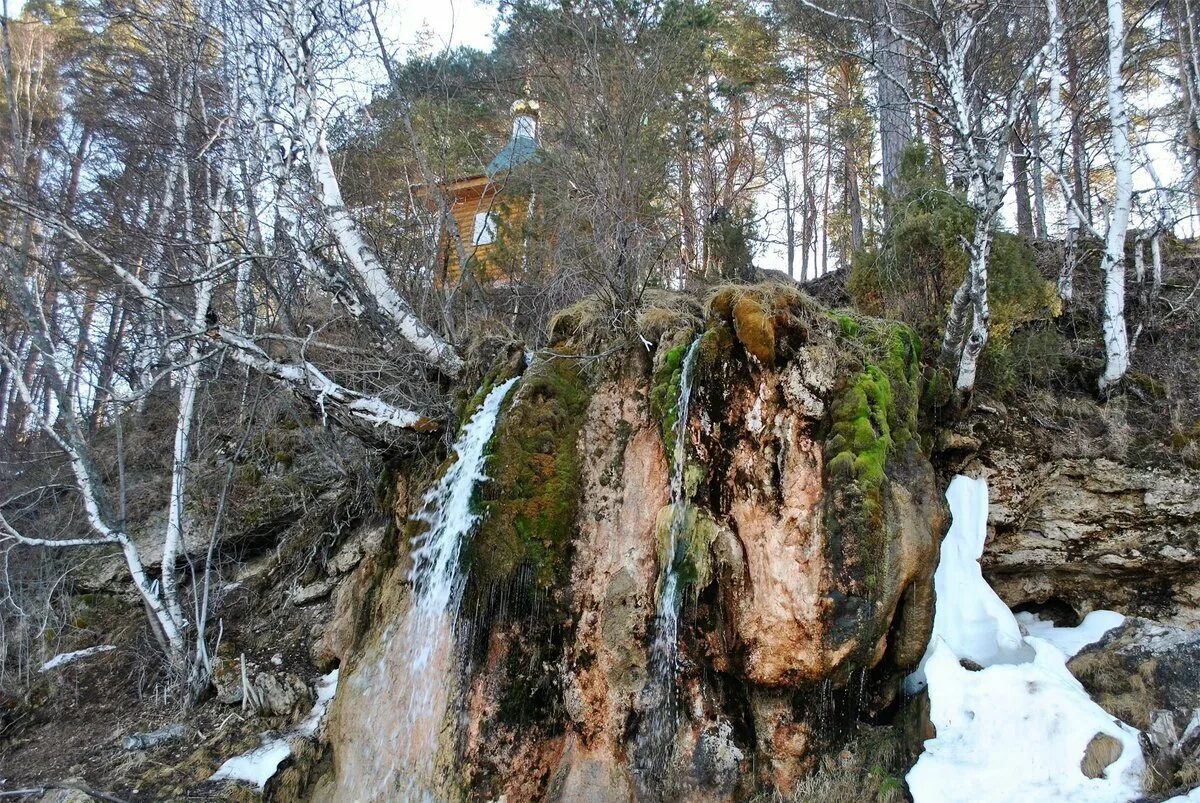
1060 135
1112 265
980 95
296 31
65 431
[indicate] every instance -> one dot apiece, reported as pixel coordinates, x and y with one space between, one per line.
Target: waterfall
400 685
652 749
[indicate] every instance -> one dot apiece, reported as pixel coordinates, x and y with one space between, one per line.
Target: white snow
68 657
326 686
1017 729
1070 640
1188 797
257 766
969 618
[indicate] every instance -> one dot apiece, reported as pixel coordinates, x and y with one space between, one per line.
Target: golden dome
525 106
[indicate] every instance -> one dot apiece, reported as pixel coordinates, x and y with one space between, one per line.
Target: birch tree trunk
1112 265
358 254
188 386
68 435
986 196
1156 272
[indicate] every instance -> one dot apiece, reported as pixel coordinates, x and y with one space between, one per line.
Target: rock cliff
1075 525
810 519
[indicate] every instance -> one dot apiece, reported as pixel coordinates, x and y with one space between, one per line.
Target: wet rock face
1093 533
807 602
825 456
807 586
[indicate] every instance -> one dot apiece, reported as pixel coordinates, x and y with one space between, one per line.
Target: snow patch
969 617
1188 797
1014 725
257 766
326 686
1070 640
67 657
260 764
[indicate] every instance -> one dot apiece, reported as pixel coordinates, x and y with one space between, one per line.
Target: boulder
278 694
1148 675
717 760
1142 667
1100 752
144 741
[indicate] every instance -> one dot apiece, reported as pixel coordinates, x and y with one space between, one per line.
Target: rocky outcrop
1093 533
1142 667
810 527
1148 675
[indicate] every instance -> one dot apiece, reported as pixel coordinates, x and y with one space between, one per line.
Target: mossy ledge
695 532
770 320
664 392
528 506
872 418
507 362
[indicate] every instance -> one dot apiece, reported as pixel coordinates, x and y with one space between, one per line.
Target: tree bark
358 254
1020 167
850 163
1061 133
1112 265
892 88
1039 187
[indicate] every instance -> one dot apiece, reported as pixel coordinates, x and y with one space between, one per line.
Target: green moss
500 373
694 535
664 394
529 506
693 475
919 261
847 326
873 414
249 474
1147 384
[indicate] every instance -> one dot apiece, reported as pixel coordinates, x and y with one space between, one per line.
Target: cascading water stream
652 749
401 685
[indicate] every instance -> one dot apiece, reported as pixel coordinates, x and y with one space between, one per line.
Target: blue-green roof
518 151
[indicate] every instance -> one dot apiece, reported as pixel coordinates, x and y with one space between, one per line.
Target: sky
431 25
425 27
439 23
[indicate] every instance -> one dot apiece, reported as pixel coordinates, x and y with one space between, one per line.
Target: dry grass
593 326
869 769
663 311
